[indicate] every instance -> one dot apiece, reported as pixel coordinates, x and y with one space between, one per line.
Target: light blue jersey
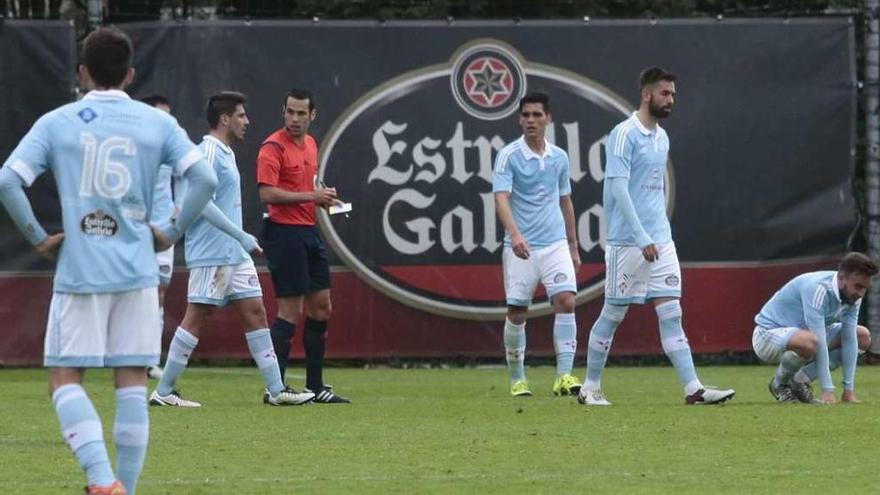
207 245
163 201
812 302
638 154
535 184
104 152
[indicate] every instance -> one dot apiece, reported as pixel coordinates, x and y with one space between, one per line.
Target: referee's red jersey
284 164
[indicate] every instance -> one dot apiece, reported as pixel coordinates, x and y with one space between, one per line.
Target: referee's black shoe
327 396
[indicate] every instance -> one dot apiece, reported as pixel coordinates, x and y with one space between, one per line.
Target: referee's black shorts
297 258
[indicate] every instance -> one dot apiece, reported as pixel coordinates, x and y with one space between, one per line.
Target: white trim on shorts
552 266
770 343
109 330
165 262
218 285
631 279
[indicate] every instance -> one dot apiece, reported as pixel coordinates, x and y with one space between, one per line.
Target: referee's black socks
282 337
314 340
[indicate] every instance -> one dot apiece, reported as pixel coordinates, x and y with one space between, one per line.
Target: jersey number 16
101 174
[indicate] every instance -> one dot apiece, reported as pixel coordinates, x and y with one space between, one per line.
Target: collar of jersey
221 144
109 94
834 287
529 154
644 130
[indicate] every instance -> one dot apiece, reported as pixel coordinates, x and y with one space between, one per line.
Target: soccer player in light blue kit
640 258
533 201
221 270
104 153
165 209
810 327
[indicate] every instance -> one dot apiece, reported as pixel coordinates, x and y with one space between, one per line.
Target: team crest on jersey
87 115
487 81
99 223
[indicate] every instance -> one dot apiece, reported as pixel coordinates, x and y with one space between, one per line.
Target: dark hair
858 263
536 97
107 53
223 103
300 94
652 75
154 100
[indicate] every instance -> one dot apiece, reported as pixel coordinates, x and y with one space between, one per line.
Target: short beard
658 112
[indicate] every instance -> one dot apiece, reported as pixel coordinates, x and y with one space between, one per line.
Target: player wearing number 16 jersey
104 153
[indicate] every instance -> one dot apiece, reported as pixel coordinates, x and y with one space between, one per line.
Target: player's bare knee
564 302
810 346
321 312
864 337
254 315
805 344
517 314
290 308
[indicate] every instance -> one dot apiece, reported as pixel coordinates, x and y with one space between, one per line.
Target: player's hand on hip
520 246
651 253
49 247
849 396
828 397
160 241
251 245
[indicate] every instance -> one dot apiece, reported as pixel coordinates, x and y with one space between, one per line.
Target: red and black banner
411 116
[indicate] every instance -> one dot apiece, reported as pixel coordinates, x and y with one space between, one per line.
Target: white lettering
447 234
458 144
487 148
384 152
573 146
589 237
436 160
491 243
421 226
595 159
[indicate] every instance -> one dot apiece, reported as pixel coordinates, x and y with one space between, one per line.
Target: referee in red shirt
287 169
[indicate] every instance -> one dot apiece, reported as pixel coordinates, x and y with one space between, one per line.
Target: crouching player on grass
810 328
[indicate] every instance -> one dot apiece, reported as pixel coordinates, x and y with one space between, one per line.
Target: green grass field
458 431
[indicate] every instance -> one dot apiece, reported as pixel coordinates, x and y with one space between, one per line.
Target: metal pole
872 168
95 14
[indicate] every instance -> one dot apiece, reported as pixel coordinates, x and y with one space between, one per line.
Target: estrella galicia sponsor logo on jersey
559 278
672 281
99 223
415 154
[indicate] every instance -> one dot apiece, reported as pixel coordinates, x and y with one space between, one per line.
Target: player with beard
813 319
640 257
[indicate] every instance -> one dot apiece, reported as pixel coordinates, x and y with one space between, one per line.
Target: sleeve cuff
188 161
24 171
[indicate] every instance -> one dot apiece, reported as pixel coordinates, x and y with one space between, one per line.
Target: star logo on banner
488 82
